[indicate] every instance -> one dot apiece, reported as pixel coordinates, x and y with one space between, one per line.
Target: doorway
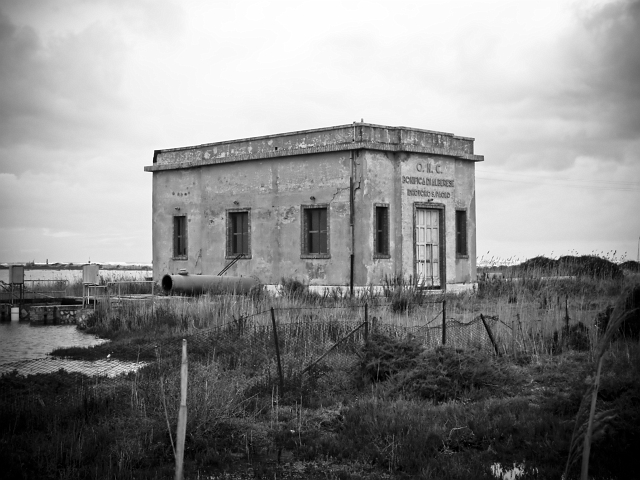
429 247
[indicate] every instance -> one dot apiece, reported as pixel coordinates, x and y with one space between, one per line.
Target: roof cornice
331 139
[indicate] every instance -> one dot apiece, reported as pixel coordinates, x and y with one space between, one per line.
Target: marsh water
24 348
25 343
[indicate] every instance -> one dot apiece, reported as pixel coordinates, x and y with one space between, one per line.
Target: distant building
339 206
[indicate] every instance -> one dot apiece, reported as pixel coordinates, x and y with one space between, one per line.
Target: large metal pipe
198 284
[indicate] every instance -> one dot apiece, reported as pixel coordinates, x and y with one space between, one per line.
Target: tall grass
533 312
380 407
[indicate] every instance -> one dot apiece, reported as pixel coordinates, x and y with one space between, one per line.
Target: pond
24 347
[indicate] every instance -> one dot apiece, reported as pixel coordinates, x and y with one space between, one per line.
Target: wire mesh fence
284 343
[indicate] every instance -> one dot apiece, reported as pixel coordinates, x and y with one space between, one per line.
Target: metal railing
230 264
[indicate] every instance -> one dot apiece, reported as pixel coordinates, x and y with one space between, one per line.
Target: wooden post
493 340
444 322
586 446
182 415
275 339
366 322
524 344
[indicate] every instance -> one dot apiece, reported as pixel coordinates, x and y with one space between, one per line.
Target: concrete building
341 206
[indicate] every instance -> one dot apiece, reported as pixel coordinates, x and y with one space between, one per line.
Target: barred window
180 237
315 231
238 233
381 231
461 233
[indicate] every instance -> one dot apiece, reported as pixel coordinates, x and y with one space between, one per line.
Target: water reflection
24 347
24 341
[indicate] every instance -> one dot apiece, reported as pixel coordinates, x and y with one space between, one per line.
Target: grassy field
380 405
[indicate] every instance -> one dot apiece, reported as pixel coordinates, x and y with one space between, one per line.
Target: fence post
275 339
444 322
182 414
524 344
493 340
366 322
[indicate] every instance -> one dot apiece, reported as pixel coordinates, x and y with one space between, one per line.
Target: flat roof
353 136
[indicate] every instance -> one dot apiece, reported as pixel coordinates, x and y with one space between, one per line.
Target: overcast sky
88 89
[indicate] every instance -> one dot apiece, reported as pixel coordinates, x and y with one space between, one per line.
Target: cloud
58 93
584 101
64 94
58 234
609 64
89 89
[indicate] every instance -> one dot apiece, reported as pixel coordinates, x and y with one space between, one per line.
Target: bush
631 266
292 288
403 295
383 357
439 375
585 266
447 374
630 328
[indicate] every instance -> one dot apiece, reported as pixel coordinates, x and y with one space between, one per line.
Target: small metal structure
16 278
90 280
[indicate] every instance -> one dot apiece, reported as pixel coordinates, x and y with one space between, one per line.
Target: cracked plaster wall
274 190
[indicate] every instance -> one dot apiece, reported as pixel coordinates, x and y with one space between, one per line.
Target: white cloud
90 89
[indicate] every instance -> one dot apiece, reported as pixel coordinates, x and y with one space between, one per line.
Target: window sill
182 257
246 256
462 257
315 255
380 256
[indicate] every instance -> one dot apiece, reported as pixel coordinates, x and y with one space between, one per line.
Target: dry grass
332 422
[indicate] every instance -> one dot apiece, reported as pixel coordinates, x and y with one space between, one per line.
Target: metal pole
275 339
444 322
351 277
351 223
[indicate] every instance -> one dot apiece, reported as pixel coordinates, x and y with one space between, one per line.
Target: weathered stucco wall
434 180
274 176
274 192
377 173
